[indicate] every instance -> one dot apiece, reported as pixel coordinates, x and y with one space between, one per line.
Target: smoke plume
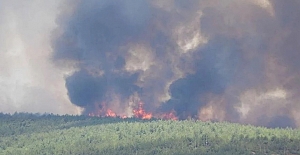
234 60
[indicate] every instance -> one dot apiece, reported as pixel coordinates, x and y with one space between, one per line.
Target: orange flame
101 111
141 113
138 112
110 113
123 117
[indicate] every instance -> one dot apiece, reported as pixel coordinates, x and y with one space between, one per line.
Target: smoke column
234 61
29 82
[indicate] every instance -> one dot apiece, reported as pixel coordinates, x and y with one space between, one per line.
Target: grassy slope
29 134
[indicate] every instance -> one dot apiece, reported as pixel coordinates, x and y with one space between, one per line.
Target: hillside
51 134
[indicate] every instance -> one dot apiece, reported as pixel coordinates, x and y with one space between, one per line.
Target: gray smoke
210 60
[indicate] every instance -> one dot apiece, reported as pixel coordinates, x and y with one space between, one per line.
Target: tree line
23 133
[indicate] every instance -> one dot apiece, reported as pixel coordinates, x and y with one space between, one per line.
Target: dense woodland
33 134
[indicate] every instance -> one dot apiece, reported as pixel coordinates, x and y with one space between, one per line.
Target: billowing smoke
232 60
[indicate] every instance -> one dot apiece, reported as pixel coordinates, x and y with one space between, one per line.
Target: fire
110 113
141 113
123 117
138 112
102 111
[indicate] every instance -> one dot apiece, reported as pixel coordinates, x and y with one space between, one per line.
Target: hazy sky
232 60
28 80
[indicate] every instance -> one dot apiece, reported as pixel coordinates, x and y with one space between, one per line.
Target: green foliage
31 134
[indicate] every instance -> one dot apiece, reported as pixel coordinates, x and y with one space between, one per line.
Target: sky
233 60
29 81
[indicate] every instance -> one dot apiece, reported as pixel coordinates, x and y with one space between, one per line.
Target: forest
49 134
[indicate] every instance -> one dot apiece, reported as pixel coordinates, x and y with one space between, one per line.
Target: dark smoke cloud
85 89
214 72
235 60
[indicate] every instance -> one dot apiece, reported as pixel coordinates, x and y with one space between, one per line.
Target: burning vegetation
137 112
231 61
